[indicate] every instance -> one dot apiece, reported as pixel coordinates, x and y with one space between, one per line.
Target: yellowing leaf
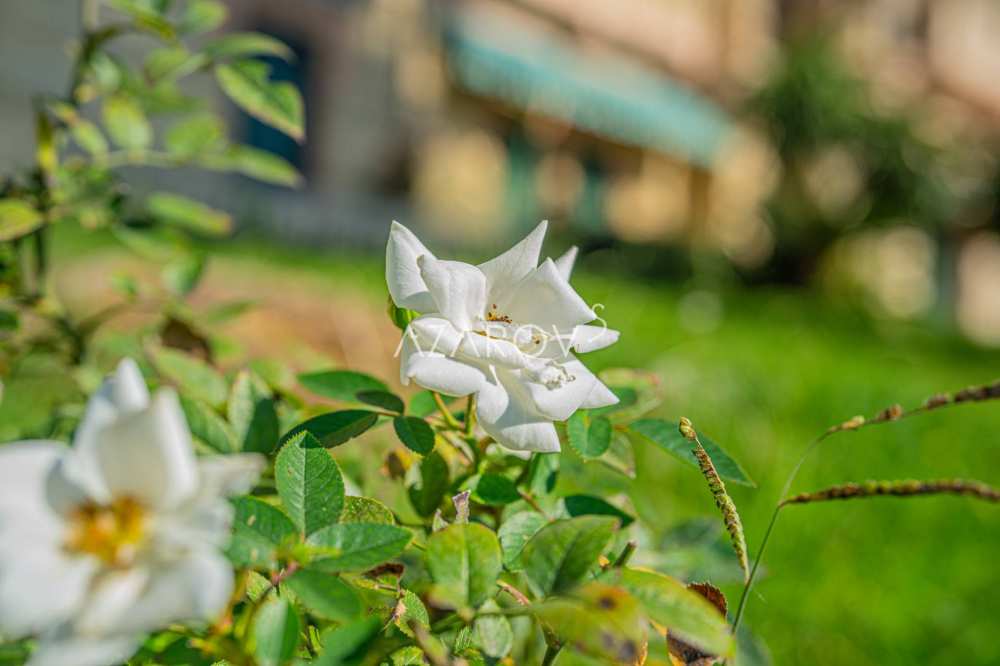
18 218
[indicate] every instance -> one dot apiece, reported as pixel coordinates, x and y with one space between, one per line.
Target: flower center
111 532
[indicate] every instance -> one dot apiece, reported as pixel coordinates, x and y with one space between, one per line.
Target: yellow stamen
111 532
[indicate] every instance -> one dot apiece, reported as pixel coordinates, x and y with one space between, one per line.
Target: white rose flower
503 331
119 535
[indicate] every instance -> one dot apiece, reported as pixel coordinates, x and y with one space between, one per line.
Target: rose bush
489 541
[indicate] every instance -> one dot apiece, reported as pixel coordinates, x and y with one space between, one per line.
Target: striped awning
612 96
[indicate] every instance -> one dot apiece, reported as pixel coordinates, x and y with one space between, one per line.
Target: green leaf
422 404
207 426
686 614
515 532
309 483
89 137
382 399
194 135
464 562
590 437
495 490
599 620
335 428
242 44
357 546
347 643
253 414
127 123
413 610
259 529
415 433
18 218
8 320
366 510
401 317
493 633
326 595
188 214
562 553
276 632
202 16
182 275
277 104
665 435
588 505
408 656
341 384
434 482
254 163
171 63
193 376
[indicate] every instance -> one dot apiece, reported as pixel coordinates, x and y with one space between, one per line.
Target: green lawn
885 581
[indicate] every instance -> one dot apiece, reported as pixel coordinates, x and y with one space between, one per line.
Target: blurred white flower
504 330
119 535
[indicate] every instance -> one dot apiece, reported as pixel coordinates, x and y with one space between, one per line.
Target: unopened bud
687 430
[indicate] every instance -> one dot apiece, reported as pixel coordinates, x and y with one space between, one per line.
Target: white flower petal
402 274
458 290
229 475
588 338
600 396
493 351
62 490
111 600
206 517
40 585
506 413
123 392
64 649
148 454
25 468
195 588
439 373
545 299
566 261
505 270
434 334
558 402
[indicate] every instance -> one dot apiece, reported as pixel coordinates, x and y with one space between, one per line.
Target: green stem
41 259
774 518
753 569
551 652
446 414
470 416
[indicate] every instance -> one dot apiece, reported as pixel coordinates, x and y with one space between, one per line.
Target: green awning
614 97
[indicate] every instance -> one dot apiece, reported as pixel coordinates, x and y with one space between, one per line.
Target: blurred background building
847 144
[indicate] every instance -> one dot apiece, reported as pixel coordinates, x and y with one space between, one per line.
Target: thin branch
449 418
